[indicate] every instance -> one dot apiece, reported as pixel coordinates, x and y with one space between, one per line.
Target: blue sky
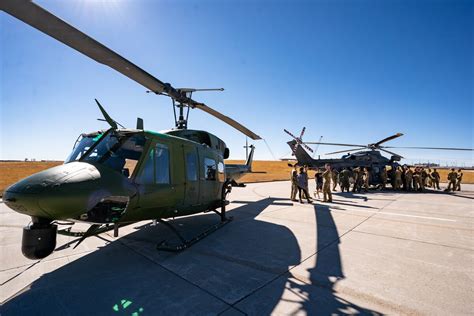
352 71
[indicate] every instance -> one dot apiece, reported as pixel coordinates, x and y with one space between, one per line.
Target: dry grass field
12 171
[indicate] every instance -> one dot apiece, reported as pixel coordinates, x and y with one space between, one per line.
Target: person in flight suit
327 175
458 181
409 179
294 184
452 179
436 178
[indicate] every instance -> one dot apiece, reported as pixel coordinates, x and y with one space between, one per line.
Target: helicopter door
191 182
210 186
155 179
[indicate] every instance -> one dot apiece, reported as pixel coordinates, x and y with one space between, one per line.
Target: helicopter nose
65 191
22 198
27 195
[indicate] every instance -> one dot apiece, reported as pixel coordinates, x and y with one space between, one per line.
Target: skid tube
226 189
187 243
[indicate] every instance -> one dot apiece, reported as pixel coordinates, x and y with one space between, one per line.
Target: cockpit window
117 151
83 143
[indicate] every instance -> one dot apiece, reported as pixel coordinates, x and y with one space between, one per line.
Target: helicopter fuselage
144 175
371 159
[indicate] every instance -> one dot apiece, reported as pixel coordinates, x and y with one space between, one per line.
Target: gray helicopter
365 156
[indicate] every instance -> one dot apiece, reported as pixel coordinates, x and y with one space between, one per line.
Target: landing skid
226 189
187 243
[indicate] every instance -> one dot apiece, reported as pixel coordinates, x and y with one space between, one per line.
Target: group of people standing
401 178
358 178
418 179
299 184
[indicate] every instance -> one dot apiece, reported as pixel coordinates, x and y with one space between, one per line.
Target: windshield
83 143
117 151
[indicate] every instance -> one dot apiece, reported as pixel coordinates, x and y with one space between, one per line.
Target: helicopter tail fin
301 155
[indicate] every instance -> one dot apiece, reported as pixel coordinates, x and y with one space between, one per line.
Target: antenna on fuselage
113 123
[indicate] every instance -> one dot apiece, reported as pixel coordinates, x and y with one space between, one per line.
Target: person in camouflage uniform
355 172
335 176
429 179
302 181
436 178
327 175
409 179
344 177
458 180
452 179
398 178
417 176
384 177
294 183
366 179
318 177
404 184
424 178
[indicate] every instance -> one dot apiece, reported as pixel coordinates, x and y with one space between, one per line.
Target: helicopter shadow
223 273
312 292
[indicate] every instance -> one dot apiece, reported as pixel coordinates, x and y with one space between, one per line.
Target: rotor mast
179 121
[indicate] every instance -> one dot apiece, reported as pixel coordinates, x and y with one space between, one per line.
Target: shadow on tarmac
229 268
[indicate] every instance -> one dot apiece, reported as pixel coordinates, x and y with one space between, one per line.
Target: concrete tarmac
371 253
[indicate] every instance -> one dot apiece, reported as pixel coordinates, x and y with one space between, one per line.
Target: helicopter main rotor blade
335 144
48 23
392 153
432 148
227 120
387 139
345 151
